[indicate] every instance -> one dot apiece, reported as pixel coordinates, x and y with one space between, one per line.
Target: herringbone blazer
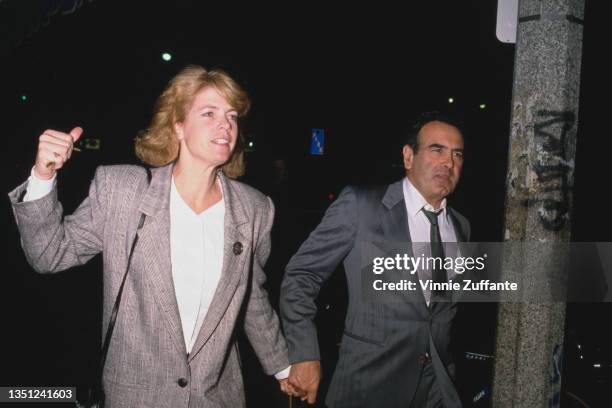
147 364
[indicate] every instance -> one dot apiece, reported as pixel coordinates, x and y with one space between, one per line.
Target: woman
196 270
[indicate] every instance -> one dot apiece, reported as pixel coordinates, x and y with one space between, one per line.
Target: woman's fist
54 149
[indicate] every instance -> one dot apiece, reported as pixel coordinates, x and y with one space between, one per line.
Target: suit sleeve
52 242
309 268
261 323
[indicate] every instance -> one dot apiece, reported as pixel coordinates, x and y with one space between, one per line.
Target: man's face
436 166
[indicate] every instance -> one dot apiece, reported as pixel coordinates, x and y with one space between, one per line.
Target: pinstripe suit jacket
384 338
147 354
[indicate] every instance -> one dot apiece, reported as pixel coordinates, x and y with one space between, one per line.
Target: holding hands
304 379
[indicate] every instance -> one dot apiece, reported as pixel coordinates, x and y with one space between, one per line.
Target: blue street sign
317 142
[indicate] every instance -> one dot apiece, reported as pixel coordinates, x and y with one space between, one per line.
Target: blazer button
424 359
182 382
237 248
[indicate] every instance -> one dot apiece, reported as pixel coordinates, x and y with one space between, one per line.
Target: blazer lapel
154 240
236 247
464 248
459 232
394 221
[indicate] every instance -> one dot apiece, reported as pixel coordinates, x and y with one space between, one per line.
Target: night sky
361 73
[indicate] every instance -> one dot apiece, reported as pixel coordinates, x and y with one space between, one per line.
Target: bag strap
113 316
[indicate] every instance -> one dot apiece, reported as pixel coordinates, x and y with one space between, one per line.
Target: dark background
362 73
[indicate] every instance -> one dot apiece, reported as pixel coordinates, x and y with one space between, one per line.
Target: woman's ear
178 131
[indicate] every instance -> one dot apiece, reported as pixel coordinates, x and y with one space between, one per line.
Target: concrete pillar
539 182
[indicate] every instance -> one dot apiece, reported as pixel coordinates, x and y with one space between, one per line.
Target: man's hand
54 149
305 378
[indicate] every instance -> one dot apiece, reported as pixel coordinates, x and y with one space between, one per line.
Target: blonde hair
158 146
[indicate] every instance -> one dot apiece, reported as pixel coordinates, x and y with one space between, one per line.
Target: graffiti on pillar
556 359
552 167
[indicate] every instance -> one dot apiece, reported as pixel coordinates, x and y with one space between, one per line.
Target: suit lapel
394 221
236 247
154 240
459 232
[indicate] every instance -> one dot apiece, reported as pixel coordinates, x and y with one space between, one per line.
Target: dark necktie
437 251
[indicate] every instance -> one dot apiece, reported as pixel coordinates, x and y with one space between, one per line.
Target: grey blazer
384 338
147 363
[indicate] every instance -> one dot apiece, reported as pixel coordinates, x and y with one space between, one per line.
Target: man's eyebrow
440 146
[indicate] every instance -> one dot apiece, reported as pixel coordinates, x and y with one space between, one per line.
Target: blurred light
597 365
250 144
482 106
330 196
579 347
24 97
166 56
581 357
92 143
451 100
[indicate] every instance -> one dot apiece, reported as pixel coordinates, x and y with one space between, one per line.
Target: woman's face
210 129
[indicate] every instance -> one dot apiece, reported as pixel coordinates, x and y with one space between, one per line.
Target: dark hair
412 133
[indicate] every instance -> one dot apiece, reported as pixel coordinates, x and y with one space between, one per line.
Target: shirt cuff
281 375
38 188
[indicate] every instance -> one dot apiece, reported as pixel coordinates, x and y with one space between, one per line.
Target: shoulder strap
113 316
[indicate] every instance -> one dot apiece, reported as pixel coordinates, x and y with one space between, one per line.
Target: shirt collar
415 201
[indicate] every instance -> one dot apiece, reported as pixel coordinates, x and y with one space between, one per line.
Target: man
393 354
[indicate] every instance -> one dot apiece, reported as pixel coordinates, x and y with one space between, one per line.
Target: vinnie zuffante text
457 264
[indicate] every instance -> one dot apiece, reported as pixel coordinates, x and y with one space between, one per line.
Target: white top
196 250
419 227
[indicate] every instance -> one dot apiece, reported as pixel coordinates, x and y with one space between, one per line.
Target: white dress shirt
420 227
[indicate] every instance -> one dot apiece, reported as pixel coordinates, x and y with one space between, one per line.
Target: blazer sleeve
261 323
315 261
52 242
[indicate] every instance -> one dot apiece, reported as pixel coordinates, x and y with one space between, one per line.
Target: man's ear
408 154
